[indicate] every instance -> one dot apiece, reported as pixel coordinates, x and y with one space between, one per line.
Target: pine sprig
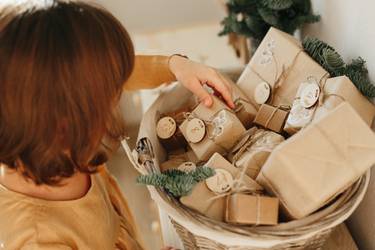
177 182
202 173
332 61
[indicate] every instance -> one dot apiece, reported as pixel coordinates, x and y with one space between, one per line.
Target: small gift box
253 151
308 105
167 127
272 118
247 209
179 161
276 70
321 161
214 129
208 197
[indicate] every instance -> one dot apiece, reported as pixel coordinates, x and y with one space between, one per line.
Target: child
63 66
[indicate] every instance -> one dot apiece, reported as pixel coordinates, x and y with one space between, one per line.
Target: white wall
348 25
154 15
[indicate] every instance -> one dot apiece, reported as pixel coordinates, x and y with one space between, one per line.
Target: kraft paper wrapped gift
320 162
210 130
247 209
272 118
335 91
252 152
280 63
206 196
176 160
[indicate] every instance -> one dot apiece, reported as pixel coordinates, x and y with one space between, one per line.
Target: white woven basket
199 232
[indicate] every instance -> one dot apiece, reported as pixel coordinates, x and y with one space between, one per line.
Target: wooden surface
341 240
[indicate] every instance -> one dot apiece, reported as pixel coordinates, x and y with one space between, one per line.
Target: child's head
62 69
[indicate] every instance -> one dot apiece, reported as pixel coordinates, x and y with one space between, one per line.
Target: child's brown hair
62 70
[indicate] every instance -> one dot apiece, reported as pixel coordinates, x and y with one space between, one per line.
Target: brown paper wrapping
281 62
247 209
203 199
320 162
343 87
335 91
232 130
256 154
175 160
270 117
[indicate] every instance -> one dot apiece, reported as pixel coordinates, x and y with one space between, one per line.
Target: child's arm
152 71
149 72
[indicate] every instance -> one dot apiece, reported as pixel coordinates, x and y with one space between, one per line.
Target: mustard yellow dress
99 220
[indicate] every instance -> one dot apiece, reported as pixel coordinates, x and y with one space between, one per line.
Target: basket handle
142 156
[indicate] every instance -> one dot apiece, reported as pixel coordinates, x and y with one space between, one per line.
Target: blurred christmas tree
253 18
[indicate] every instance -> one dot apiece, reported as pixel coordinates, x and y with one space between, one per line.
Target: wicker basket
199 232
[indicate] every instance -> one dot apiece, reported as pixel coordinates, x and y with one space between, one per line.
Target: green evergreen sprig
253 18
332 61
177 182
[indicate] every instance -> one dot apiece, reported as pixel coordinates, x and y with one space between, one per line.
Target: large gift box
334 91
208 197
210 130
276 70
321 161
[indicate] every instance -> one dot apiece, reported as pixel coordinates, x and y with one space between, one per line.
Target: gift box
272 118
210 130
252 152
178 160
335 91
315 165
276 70
247 209
209 197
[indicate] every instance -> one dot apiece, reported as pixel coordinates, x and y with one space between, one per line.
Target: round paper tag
310 95
262 93
187 167
166 127
195 130
221 182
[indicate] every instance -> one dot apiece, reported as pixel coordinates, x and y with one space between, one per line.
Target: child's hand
193 75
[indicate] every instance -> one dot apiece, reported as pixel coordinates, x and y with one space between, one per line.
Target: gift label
262 93
166 127
187 167
299 115
310 95
221 182
195 130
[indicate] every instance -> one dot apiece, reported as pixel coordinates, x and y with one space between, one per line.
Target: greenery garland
332 61
253 18
177 182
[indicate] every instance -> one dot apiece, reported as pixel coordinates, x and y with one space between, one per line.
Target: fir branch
177 182
158 180
358 73
202 173
180 185
331 61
